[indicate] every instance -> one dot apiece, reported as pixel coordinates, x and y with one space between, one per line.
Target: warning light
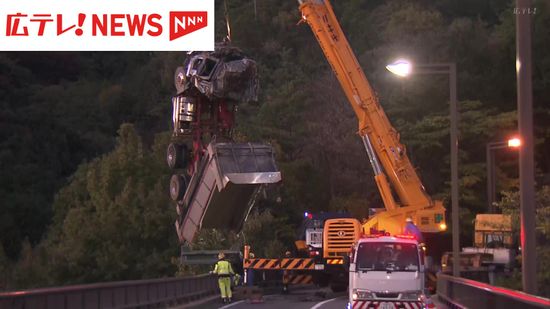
443 226
314 253
405 236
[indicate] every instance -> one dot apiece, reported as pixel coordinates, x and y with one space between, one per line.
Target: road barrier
297 279
122 294
466 293
279 264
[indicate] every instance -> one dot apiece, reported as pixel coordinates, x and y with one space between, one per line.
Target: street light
490 157
403 67
514 142
400 67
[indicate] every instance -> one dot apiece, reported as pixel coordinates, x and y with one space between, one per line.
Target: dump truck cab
387 272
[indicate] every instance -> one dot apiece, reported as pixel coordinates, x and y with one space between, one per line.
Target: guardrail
122 294
465 293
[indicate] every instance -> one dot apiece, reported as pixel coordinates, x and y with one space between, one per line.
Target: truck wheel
176 156
178 185
338 287
321 280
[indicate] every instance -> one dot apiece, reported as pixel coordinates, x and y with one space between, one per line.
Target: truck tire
338 287
321 279
178 185
176 156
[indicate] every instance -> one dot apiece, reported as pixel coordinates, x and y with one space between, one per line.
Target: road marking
233 304
323 302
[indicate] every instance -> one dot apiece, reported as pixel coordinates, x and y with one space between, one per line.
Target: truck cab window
387 257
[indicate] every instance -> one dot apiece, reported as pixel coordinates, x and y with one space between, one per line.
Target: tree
509 204
60 109
113 221
267 235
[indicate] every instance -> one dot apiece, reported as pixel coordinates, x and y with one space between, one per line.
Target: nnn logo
182 23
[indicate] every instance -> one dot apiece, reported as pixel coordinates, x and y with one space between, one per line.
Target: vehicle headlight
411 295
362 294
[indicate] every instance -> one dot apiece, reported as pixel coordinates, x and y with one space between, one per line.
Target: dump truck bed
225 186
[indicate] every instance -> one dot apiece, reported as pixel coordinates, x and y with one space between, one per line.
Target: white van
387 272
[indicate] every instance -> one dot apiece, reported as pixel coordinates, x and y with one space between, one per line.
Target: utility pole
454 171
491 194
523 13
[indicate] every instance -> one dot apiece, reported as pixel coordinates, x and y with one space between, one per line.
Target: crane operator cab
387 272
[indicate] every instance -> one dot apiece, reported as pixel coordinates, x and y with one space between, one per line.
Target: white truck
387 272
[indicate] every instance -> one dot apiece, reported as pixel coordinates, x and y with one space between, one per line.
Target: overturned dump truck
216 181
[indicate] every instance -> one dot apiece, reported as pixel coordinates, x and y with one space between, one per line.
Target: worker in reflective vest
224 271
412 229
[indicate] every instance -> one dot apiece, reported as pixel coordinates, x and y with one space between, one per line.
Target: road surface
307 298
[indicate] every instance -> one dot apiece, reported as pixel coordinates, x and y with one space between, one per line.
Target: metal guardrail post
465 293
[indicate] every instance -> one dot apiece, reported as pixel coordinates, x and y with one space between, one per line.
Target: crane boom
381 140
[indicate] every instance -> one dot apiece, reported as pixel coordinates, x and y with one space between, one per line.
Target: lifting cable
227 23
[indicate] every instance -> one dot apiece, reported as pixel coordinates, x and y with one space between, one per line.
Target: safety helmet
409 219
288 253
221 255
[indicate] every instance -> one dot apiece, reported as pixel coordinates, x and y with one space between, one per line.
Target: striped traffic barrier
279 264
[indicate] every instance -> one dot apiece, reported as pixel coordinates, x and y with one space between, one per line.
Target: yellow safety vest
223 268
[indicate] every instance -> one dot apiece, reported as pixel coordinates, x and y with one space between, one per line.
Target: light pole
490 158
524 14
404 68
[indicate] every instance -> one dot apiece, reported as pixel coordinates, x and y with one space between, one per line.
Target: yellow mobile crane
387 155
